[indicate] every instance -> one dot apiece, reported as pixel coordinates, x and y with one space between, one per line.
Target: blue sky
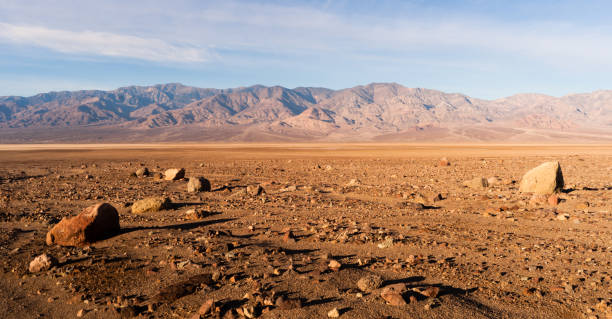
486 49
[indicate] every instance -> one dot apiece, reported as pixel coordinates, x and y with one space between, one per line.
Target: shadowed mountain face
378 111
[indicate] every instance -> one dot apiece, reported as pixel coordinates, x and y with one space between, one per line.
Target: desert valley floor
327 216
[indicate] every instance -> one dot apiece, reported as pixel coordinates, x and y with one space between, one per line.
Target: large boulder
198 184
174 174
151 204
92 224
544 179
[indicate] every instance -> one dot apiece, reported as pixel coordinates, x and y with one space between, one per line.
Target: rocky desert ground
303 231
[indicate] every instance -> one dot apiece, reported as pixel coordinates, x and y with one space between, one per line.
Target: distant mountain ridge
377 111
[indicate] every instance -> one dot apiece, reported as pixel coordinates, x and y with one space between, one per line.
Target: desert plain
309 231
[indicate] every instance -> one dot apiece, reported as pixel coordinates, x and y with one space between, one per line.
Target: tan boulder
151 204
198 184
92 224
174 174
544 179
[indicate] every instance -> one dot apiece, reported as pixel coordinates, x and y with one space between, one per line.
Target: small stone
476 183
92 224
553 200
198 184
142 172
443 162
393 294
254 190
334 265
333 313
369 283
431 292
388 242
206 307
563 217
493 180
151 204
174 174
80 313
354 182
288 303
42 262
194 214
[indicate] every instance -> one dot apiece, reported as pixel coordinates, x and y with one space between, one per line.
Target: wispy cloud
101 44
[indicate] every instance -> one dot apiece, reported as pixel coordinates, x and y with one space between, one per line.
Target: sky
485 49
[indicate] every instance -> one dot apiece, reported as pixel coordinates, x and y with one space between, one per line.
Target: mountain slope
372 112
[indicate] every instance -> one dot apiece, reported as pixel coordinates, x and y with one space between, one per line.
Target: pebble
333 313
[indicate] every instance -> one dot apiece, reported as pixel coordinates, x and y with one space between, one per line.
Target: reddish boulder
92 224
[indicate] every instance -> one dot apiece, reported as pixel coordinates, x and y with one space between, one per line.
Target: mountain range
374 112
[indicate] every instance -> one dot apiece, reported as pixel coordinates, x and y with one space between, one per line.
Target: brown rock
334 265
143 171
553 200
431 292
42 262
206 307
544 179
151 204
443 162
369 283
198 184
254 190
288 303
392 294
93 223
194 214
174 174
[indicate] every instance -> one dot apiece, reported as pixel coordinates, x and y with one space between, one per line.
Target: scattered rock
544 179
174 174
411 205
254 190
553 200
198 184
369 283
288 303
388 242
537 199
334 265
92 224
207 306
392 294
430 292
443 162
42 262
333 313
151 204
563 216
194 214
143 171
354 182
476 183
493 181
178 290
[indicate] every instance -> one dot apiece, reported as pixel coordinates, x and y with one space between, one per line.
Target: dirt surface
492 252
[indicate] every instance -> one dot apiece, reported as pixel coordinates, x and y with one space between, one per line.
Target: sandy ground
492 252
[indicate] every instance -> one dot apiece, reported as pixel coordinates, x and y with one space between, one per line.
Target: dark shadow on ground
185 226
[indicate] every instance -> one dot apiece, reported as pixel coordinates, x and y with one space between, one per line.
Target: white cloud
100 43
